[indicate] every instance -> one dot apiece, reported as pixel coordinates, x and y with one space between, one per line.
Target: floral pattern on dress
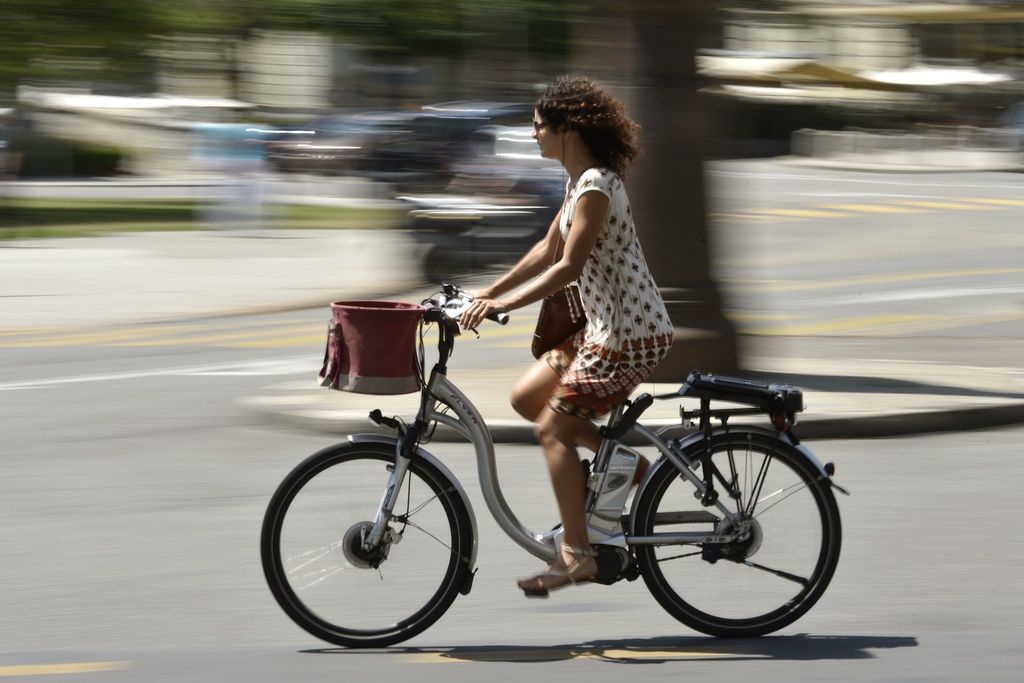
628 330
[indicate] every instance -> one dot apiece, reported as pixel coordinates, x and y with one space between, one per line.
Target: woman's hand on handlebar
478 310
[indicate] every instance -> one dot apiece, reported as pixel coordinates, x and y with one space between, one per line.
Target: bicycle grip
500 318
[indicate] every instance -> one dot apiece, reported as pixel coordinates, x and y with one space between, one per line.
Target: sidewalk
161 276
853 398
851 392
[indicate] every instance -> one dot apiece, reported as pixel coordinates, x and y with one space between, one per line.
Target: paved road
134 482
131 512
845 253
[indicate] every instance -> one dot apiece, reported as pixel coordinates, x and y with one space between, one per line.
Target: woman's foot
574 565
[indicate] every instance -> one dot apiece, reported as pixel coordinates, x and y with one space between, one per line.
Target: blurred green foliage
24 218
109 44
76 40
47 157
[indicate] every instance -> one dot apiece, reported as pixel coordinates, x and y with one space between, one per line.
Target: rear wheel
323 578
778 567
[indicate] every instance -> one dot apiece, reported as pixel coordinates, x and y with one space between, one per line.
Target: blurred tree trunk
667 187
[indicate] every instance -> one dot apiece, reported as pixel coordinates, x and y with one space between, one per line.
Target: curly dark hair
577 103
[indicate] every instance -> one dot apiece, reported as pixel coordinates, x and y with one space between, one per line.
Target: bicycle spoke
796 488
408 522
427 502
759 484
777 572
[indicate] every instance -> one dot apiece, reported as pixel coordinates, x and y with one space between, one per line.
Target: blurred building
879 36
830 64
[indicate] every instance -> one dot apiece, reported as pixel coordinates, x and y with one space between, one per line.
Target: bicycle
367 543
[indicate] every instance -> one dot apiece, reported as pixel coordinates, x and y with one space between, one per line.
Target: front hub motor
352 546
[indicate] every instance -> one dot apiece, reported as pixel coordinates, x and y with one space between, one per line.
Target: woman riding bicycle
628 331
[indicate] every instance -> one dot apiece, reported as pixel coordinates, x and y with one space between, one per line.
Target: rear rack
773 399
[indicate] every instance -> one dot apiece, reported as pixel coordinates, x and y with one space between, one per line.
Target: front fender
435 462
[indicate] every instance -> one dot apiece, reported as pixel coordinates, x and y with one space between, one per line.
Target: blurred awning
838 95
921 75
88 100
803 79
919 12
752 70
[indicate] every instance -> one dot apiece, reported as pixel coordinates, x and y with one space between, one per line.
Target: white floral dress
628 331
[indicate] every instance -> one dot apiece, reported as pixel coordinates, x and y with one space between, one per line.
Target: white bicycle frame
466 420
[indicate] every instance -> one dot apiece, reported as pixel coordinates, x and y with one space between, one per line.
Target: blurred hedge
46 157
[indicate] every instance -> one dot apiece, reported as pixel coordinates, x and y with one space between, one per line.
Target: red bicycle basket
371 347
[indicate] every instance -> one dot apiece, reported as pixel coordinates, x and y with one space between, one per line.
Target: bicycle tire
730 603
324 588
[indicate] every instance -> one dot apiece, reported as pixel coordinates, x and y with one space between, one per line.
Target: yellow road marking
753 218
799 213
241 336
541 654
857 324
959 321
147 334
60 669
872 208
522 344
279 342
947 205
741 316
777 286
19 331
996 202
97 337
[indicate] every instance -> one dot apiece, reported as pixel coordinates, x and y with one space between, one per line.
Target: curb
343 422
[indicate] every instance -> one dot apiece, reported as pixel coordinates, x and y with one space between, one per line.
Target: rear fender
695 438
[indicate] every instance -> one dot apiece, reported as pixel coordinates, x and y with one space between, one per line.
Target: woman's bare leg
558 435
531 392
530 397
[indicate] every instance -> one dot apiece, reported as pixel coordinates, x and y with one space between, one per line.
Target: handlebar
448 304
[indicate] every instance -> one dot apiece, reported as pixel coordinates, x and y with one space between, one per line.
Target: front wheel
321 575
778 566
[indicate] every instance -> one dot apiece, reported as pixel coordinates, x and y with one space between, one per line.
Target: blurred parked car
416 151
441 140
341 144
500 199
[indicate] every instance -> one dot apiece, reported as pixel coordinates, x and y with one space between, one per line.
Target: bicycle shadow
662 650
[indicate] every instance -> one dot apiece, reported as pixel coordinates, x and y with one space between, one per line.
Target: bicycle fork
403 458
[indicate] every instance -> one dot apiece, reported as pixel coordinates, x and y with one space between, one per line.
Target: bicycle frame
466 420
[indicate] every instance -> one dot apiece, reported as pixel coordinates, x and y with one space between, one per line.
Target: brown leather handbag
561 315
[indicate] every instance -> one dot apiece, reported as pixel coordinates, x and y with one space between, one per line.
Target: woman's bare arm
588 220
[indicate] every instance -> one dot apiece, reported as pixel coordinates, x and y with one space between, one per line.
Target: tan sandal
582 570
